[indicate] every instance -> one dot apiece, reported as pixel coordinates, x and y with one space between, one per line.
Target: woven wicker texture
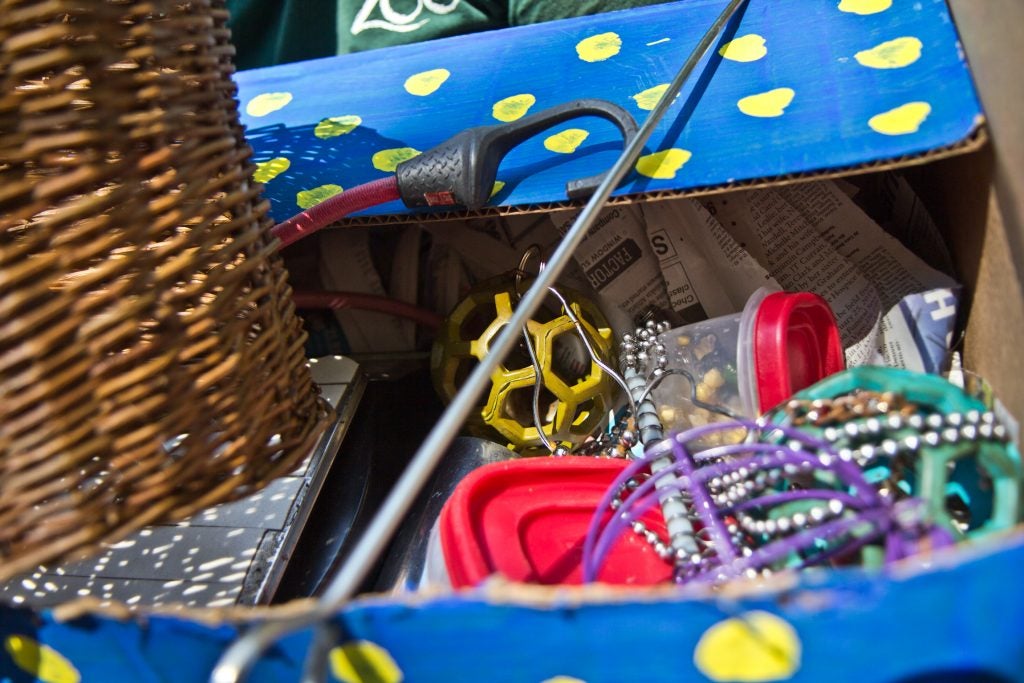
151 363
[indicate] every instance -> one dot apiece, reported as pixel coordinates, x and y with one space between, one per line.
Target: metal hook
461 171
531 252
591 351
710 407
538 373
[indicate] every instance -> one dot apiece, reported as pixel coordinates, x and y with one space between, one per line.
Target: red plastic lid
527 520
796 343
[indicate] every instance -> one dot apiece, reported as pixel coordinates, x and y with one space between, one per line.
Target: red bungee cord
367 302
328 212
335 208
458 172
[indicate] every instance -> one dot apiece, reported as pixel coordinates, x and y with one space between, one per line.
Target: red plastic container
796 344
527 520
750 361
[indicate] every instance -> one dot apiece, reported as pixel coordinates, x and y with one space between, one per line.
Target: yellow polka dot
563 679
498 186
748 48
648 99
426 82
41 661
364 662
600 47
267 103
757 647
864 7
387 160
308 198
663 165
892 54
767 104
901 120
512 108
268 170
566 141
337 125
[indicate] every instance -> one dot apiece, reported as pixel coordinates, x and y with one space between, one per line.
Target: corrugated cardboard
957 619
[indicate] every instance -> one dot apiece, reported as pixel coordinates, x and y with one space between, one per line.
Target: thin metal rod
379 532
239 658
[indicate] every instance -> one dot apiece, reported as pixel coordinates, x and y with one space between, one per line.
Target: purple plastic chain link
870 516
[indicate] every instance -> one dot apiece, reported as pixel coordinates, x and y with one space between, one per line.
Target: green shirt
369 24
269 32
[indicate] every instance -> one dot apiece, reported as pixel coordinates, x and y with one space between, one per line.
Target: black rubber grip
460 172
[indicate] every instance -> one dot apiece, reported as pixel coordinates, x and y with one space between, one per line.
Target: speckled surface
225 555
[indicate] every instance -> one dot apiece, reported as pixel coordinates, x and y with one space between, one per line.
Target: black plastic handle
461 171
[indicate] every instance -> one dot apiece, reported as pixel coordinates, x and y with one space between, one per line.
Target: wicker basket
151 363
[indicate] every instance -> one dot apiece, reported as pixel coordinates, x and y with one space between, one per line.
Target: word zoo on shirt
379 14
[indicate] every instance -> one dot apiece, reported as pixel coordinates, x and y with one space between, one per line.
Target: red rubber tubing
334 209
366 302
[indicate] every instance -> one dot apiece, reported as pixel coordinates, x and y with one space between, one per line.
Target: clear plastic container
746 363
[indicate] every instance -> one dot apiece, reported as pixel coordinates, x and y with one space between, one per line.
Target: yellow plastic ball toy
576 394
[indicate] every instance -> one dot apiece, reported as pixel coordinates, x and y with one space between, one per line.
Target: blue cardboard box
795 89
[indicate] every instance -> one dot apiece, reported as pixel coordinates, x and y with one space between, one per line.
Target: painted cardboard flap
792 87
839 626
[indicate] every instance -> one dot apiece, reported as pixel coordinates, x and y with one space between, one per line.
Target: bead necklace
859 427
644 351
618 442
821 512
646 361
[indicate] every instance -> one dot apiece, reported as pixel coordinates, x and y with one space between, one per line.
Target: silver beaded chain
861 432
931 430
661 545
644 351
